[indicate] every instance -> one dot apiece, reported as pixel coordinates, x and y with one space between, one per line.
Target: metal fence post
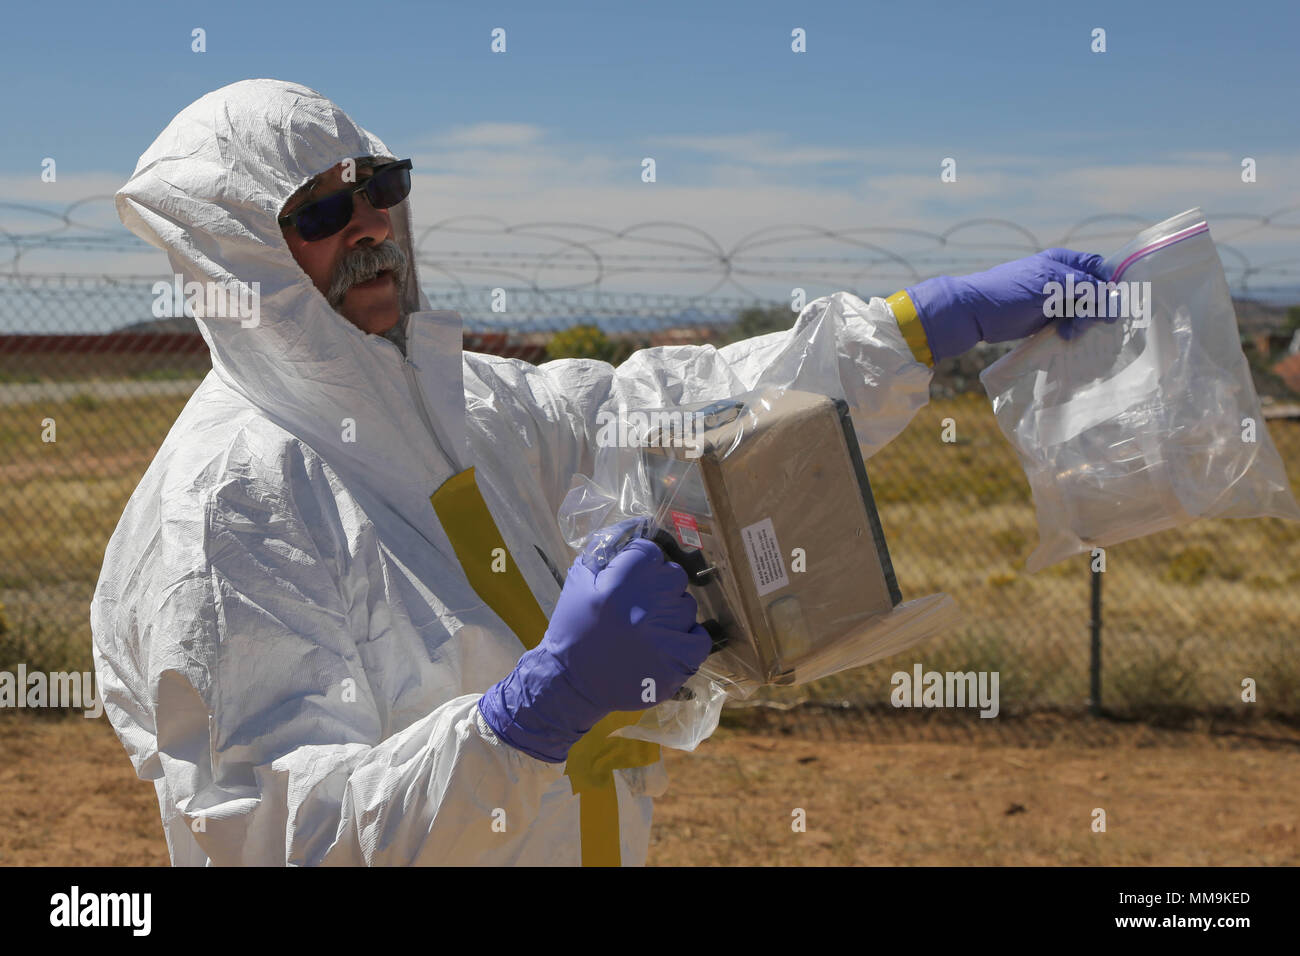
1094 663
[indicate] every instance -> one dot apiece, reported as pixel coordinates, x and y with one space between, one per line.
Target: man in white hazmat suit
296 622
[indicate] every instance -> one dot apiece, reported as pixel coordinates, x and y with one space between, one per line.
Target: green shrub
580 341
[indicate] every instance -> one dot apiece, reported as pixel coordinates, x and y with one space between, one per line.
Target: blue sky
745 133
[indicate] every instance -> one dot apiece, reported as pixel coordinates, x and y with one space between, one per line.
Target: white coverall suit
285 641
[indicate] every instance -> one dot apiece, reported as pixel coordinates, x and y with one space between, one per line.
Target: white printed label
765 561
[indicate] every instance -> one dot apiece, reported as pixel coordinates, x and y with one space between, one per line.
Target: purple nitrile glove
1003 303
614 626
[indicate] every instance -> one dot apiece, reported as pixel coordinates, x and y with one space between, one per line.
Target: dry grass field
1188 613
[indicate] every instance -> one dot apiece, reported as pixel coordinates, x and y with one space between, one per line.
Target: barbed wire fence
1188 614
465 255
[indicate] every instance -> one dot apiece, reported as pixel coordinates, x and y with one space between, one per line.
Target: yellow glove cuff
900 304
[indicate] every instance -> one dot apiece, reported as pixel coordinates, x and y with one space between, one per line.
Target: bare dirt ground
887 792
899 793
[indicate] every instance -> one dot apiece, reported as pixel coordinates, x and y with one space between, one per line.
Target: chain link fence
1186 616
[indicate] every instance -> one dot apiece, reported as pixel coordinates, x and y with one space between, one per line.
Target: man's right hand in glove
612 629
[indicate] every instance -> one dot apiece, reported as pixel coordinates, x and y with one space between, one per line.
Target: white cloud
493 134
759 149
68 186
729 186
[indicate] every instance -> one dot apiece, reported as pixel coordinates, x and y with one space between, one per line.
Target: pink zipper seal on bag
1179 236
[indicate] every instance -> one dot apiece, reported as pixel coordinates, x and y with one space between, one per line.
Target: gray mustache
363 264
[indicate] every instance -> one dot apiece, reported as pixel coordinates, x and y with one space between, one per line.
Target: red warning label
688 532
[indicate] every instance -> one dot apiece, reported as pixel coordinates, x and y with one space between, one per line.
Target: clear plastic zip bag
764 500
1147 420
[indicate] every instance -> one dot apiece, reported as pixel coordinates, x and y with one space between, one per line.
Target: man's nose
367 223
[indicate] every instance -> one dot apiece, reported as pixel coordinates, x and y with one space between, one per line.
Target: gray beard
365 263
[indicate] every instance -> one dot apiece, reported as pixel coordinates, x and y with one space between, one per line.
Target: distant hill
179 324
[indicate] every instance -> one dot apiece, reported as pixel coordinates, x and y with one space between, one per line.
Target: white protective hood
208 192
285 642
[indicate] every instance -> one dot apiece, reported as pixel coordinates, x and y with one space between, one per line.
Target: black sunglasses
387 186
